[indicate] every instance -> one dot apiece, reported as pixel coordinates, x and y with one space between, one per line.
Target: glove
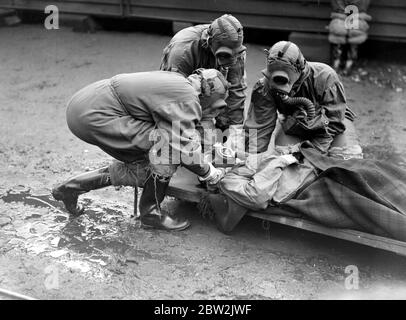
281 117
213 176
300 114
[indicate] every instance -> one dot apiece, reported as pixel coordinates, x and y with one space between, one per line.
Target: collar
205 39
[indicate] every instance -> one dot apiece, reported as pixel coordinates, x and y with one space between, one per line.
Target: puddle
44 201
97 233
103 234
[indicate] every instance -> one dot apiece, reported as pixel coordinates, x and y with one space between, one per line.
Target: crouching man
298 100
127 116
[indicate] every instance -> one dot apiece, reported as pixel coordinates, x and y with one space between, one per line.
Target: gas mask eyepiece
280 80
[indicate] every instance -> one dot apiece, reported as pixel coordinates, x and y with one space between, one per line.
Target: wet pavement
44 227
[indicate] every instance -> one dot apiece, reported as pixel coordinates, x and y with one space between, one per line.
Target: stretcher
184 186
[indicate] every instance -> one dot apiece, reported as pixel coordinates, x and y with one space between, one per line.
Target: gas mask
281 76
214 91
285 64
224 61
225 57
225 39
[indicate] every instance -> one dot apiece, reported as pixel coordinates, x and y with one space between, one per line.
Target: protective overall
310 100
146 121
217 45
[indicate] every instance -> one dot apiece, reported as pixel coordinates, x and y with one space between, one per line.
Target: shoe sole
148 227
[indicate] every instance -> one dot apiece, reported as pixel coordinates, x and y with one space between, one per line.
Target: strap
221 26
282 52
284 49
233 23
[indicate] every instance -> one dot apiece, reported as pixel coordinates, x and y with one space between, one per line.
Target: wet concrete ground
104 254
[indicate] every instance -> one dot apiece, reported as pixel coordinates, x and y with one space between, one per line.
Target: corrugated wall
389 16
91 7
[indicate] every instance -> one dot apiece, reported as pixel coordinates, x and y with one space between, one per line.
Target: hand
289 158
281 117
300 115
213 176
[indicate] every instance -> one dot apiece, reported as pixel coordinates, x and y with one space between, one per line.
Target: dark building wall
389 16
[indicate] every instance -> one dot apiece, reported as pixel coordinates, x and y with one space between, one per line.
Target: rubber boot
69 191
151 215
337 53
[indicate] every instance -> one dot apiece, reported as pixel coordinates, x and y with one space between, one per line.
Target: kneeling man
300 100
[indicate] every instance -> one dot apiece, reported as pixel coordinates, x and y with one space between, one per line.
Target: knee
164 170
129 174
346 145
284 140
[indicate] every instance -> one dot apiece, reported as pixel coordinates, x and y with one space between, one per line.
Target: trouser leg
352 56
337 52
69 191
344 146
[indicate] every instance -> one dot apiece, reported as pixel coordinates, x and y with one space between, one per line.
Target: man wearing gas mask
217 45
146 121
298 100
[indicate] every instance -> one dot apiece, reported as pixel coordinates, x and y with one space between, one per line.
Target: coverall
119 115
188 51
321 85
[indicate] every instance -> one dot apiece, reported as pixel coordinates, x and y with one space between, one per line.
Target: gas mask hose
294 101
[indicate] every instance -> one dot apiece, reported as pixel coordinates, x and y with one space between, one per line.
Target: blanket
360 194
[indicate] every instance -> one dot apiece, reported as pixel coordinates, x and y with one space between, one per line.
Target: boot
151 215
69 191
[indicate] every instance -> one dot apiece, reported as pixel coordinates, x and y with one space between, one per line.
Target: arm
237 94
261 119
178 122
177 57
333 104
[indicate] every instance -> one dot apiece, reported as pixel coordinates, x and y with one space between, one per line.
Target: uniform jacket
188 51
321 85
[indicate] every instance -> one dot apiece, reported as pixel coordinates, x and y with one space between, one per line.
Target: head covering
214 89
226 34
213 82
285 66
